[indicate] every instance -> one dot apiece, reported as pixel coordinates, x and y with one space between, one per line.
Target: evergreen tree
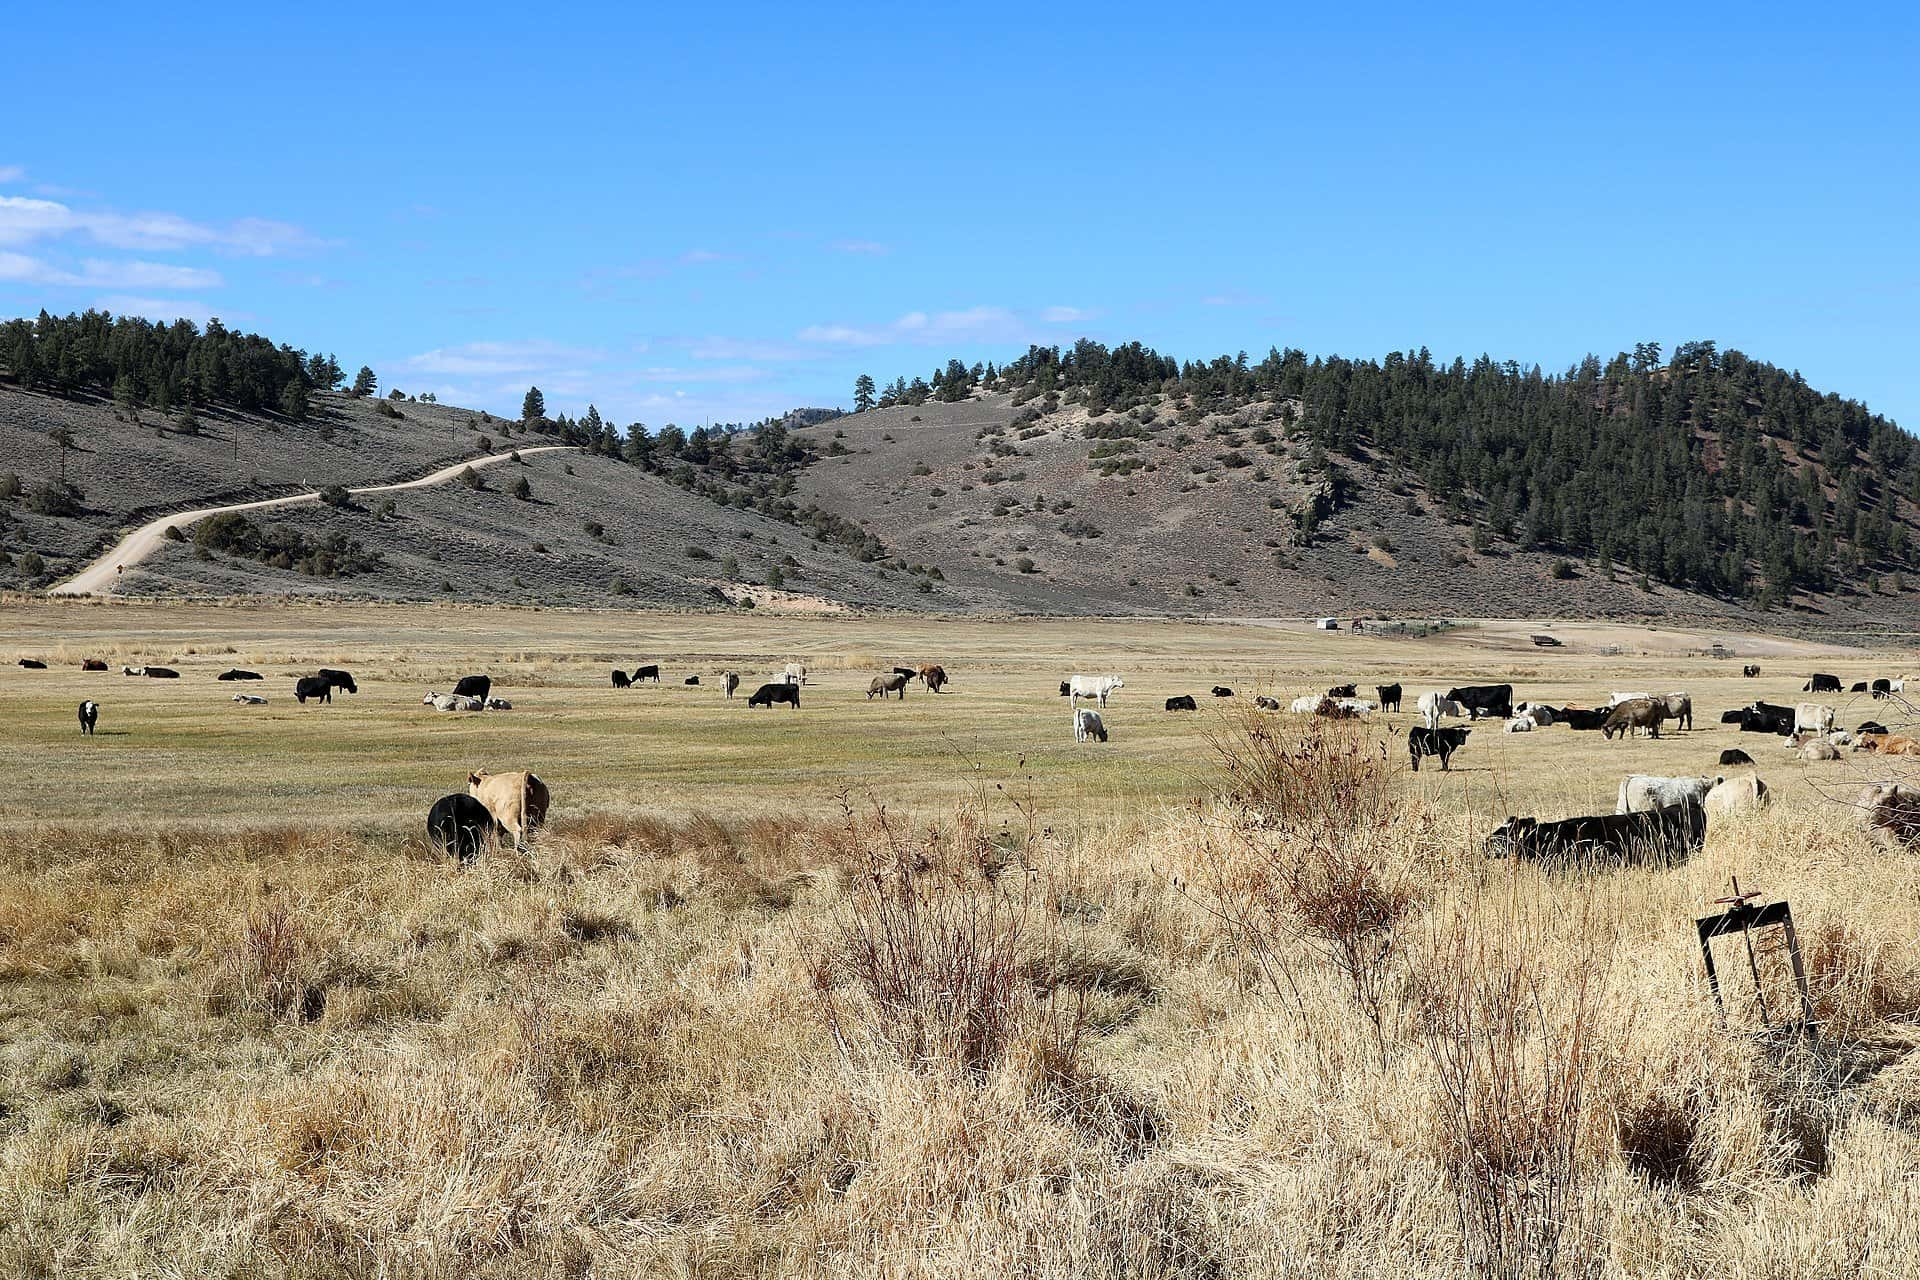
863 393
293 401
364 382
533 406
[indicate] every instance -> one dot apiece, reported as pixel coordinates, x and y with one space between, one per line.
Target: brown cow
884 685
93 664
1636 713
1887 744
933 676
517 801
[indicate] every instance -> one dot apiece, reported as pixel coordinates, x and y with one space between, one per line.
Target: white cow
1087 724
1617 698
794 673
1813 716
498 704
1541 716
1099 688
452 702
1305 705
1640 792
250 699
1434 705
1520 724
1743 794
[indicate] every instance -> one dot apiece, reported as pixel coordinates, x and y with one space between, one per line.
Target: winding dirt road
98 578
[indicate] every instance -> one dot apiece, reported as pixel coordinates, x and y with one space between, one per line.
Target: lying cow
451 702
1435 742
884 685
235 673
1629 717
1734 755
93 664
1389 695
691 680
1540 713
768 694
1185 702
1088 725
250 699
1221 691
33 664
496 704
89 716
459 826
1870 726
1744 794
1099 688
934 676
342 680
156 673
1766 717
1655 835
1640 792
473 687
1306 705
1261 702
1520 724
1343 691
1583 719
1819 750
1494 701
319 688
1891 811
621 680
1887 744
1750 670
518 801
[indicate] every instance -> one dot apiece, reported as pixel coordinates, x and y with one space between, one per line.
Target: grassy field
1058 1010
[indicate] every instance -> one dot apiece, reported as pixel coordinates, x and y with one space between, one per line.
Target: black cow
89 712
1767 717
1821 683
319 688
33 664
1734 716
691 680
1184 702
1422 741
621 680
1858 686
473 687
1871 726
1389 696
1657 835
649 672
1484 699
1734 755
339 679
1882 688
1343 691
93 664
909 672
162 673
1582 717
768 694
235 673
1221 691
1065 688
1750 670
459 825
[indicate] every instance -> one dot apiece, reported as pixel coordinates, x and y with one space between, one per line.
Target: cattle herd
1656 818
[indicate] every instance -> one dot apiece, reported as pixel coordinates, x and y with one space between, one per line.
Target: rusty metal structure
1772 924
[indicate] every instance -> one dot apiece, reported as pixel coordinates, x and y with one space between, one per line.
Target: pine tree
863 393
293 401
534 406
364 382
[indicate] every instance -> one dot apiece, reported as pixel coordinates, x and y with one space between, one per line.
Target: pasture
919 988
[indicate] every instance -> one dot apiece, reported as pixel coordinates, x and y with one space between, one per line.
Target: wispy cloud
982 324
12 173
496 358
25 220
714 347
871 248
95 273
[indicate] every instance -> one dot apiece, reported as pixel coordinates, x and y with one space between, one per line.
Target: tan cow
884 685
1887 744
1744 793
517 801
933 676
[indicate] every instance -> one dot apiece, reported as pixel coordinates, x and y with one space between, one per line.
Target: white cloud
12 173
714 347
24 220
708 373
982 324
1065 315
165 310
96 273
494 358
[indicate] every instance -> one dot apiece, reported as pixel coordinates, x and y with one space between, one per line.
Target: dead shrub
1859 978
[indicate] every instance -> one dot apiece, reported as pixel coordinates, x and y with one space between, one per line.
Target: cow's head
1510 837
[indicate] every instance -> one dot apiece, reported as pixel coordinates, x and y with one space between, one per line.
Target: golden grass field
921 989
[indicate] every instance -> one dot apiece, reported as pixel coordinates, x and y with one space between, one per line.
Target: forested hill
1712 472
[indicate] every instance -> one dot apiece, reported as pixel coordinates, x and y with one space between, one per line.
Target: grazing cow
496 704
33 664
1088 725
1814 716
934 676
1494 701
342 679
1891 811
314 687
795 673
1744 794
452 702
1641 713
1821 683
884 685
621 680
250 699
1099 688
691 680
517 801
1750 670
1656 835
1858 686
1640 792
1343 691
93 664
1819 749
1521 724
768 694
1734 755
1679 708
1389 695
235 673
1432 706
474 687
729 681
1221 691
1583 718
1185 702
649 672
160 673
458 826
1261 702
1435 742
1870 726
89 712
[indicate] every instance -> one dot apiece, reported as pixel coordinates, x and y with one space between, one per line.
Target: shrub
1563 570
54 499
10 486
522 490
31 565
1025 565
468 476
335 495
695 552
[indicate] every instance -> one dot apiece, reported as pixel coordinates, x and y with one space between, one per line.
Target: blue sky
691 212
